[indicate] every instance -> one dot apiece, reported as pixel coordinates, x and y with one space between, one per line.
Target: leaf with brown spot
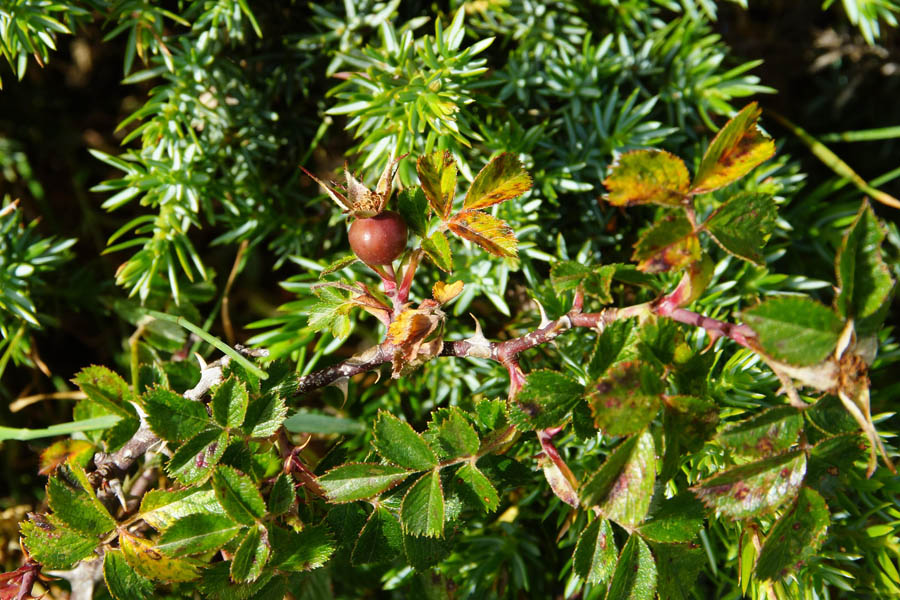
437 174
623 486
503 178
736 150
79 452
619 402
795 538
445 292
754 488
669 244
647 177
149 562
491 233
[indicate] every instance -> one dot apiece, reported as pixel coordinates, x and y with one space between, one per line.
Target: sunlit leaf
422 512
669 244
123 582
437 174
381 539
437 249
229 403
358 481
53 544
754 488
72 499
796 536
596 553
736 150
251 555
196 534
172 416
148 562
623 486
545 400
489 232
238 495
396 441
501 179
769 432
635 574
743 224
195 459
647 176
624 401
795 329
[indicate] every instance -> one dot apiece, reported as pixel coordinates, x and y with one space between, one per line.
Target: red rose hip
379 239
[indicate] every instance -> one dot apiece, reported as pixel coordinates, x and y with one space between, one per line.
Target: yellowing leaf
444 293
153 564
417 336
647 177
78 451
490 233
501 179
437 174
669 244
736 150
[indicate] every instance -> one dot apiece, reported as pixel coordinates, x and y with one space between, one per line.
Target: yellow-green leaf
736 150
491 233
437 174
501 179
647 177
149 562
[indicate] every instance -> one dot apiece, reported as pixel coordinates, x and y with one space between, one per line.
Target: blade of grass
864 135
22 434
834 162
212 340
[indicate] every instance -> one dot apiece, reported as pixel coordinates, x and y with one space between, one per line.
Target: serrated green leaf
196 534
736 150
396 441
635 575
596 553
863 277
437 249
251 555
107 388
503 178
265 415
341 263
148 562
358 481
422 512
162 508
437 174
754 488
618 342
647 176
53 544
491 233
229 403
676 519
678 566
669 244
424 552
544 400
796 536
620 402
477 487
623 486
304 551
122 581
413 207
172 416
238 495
795 329
282 495
742 225
195 459
567 275
330 313
490 413
451 435
770 432
73 502
381 539
831 462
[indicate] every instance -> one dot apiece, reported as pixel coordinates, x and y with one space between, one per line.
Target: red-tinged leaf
647 177
754 488
796 536
489 232
736 150
623 486
78 451
670 244
501 179
596 553
620 402
437 174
